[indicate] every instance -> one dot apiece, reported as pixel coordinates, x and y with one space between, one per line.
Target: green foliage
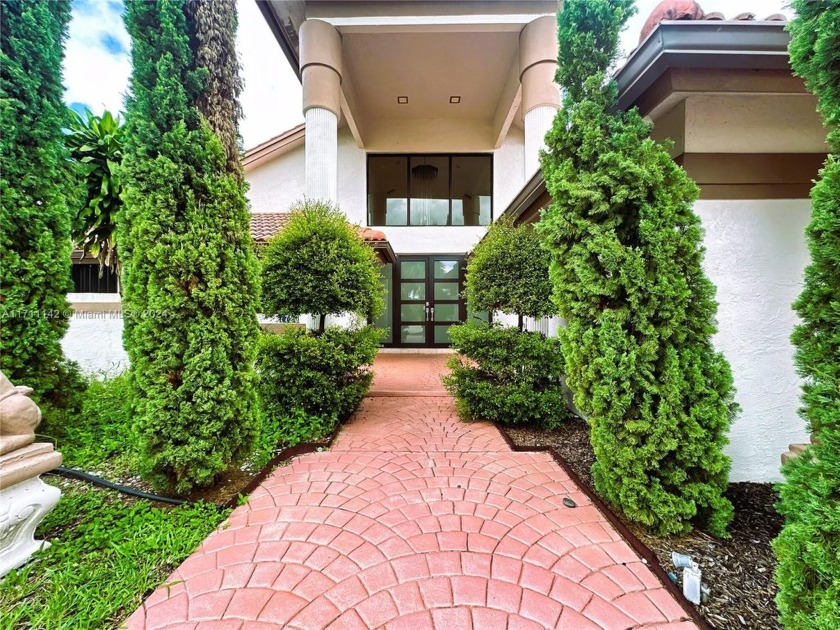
508 271
107 553
324 376
319 265
95 144
99 436
626 265
506 375
588 36
808 547
34 183
189 269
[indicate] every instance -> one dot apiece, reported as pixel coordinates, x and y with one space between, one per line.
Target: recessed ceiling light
454 100
402 100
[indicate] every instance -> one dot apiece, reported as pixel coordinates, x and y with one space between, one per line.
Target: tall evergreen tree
189 271
808 548
34 216
626 253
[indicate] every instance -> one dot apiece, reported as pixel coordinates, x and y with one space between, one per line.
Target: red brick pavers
409 374
414 520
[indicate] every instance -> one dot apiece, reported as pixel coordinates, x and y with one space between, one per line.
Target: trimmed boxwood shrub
626 264
319 265
34 185
509 376
308 380
325 375
189 270
508 272
808 548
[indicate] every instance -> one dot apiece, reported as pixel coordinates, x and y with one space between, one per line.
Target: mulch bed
738 570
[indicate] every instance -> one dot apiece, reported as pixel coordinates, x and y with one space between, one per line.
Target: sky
98 61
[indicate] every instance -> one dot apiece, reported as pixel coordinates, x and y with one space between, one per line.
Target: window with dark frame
87 279
430 190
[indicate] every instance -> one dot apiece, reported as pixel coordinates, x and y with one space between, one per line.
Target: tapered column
540 94
320 64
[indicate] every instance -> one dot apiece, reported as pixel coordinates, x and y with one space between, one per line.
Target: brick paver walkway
414 520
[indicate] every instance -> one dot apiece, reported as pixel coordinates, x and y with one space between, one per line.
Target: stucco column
540 94
320 65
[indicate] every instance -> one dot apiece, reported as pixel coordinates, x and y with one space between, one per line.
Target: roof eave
532 190
702 44
267 9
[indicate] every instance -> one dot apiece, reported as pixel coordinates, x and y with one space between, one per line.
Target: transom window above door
419 190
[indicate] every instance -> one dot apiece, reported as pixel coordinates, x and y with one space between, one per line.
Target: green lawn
108 550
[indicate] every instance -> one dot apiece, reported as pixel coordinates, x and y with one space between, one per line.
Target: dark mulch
738 570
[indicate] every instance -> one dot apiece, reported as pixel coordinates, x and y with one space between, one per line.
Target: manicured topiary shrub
34 182
506 375
317 265
189 269
324 375
503 374
626 254
808 548
508 272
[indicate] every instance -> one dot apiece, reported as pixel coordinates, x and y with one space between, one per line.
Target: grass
107 553
108 550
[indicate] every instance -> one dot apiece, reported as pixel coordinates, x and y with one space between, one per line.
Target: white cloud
93 73
97 77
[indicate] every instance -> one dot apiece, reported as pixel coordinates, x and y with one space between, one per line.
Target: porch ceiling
428 68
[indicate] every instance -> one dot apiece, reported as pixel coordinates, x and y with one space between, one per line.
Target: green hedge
35 183
506 375
626 263
808 548
322 376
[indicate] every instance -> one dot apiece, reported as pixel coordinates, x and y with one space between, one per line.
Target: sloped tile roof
264 225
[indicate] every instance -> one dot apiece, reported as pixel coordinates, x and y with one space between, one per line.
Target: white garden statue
24 498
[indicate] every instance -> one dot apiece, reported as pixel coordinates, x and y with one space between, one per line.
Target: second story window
419 190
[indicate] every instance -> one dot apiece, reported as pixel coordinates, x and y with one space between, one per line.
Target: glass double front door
428 299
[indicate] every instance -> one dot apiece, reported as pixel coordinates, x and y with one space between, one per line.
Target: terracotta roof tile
264 225
691 10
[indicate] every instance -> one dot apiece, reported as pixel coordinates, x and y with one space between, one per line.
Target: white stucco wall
94 341
275 185
756 254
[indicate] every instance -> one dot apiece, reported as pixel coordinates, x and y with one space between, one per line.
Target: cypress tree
808 548
626 253
189 270
35 234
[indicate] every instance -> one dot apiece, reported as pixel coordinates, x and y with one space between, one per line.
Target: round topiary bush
508 272
507 375
317 265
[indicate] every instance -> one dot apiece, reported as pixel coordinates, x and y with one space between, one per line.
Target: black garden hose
72 473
